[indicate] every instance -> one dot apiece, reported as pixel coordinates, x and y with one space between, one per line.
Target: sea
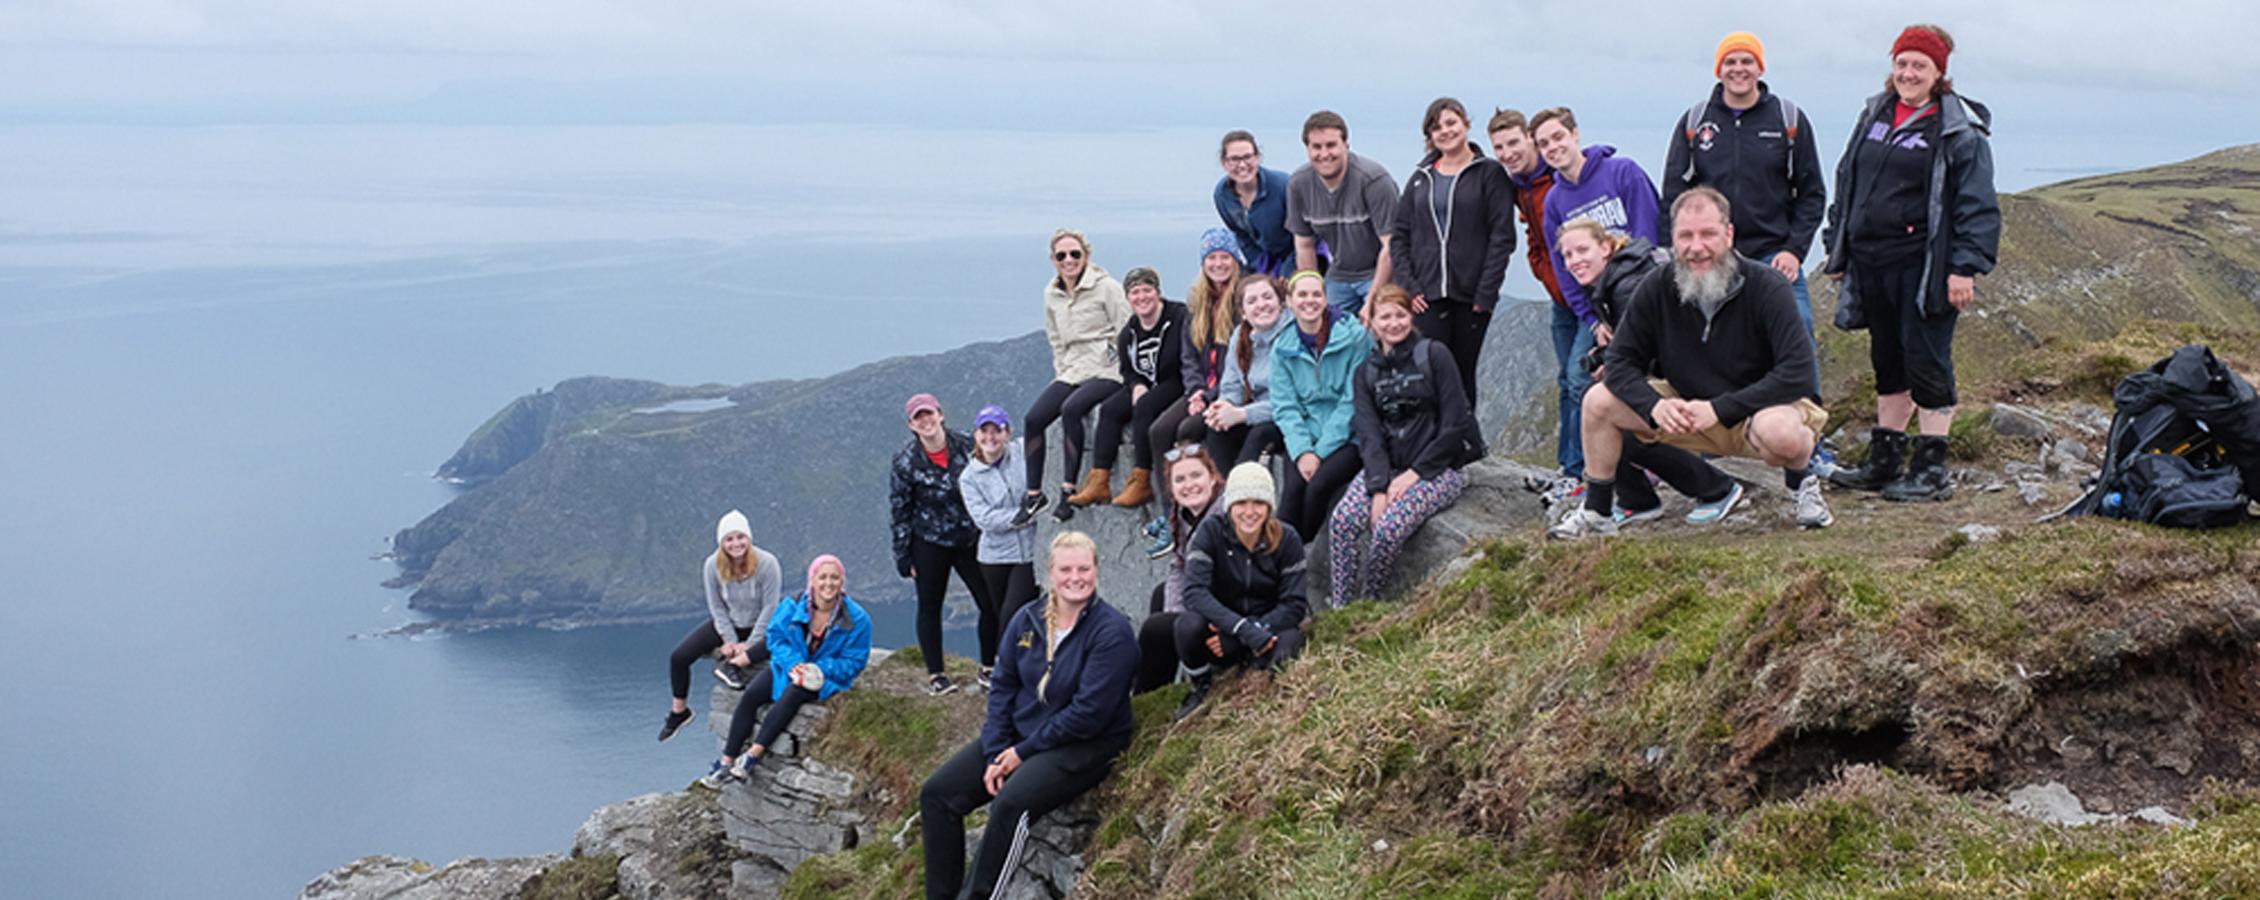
232 355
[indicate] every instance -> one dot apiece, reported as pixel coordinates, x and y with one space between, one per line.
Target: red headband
1924 41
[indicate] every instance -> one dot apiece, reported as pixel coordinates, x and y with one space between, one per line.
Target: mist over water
233 355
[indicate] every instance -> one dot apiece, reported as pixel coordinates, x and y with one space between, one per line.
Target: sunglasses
1065 255
1182 451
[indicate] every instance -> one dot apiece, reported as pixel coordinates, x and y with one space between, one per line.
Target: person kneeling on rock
818 644
1059 714
1244 601
1711 358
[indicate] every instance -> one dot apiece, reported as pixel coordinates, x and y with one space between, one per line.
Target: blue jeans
1805 312
1572 339
1347 296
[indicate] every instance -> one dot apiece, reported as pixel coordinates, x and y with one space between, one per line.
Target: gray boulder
400 878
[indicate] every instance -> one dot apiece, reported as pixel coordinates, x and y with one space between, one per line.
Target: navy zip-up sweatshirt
1088 696
1777 206
1754 353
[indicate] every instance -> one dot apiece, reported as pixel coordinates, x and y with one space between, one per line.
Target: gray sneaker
1812 510
1580 524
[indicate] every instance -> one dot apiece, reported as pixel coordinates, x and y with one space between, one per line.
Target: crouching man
1712 359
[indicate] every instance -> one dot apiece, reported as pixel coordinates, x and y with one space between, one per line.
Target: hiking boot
1582 523
1706 513
730 674
1195 697
1887 454
1158 542
939 685
1029 506
1137 490
1926 480
675 722
1098 487
1812 510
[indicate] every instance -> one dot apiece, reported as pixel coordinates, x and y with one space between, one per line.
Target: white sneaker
1580 524
1812 510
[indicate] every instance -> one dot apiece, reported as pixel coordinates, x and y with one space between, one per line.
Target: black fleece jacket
1407 419
1777 206
1752 354
1461 255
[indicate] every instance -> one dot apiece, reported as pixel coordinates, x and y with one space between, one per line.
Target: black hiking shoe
1887 455
1927 480
730 674
1195 697
1029 506
939 685
675 721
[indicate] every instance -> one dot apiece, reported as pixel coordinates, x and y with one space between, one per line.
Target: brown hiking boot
1136 490
1097 488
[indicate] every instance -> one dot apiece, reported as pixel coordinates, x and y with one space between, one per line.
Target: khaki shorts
1719 440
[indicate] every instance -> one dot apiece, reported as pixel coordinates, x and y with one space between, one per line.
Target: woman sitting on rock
993 484
1084 310
1239 418
1058 716
742 584
1193 485
1311 368
1150 350
1412 425
1244 602
818 643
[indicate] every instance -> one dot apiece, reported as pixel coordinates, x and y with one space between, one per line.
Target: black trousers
932 564
1686 472
1304 505
1192 636
781 713
1461 329
1144 412
1011 586
1172 427
1157 646
1044 782
1067 404
700 643
1910 351
1243 443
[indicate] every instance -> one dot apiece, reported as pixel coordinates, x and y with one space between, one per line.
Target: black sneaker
1029 506
939 685
675 721
1065 512
730 674
986 679
1194 697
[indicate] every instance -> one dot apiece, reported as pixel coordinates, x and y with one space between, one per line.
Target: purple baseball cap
992 414
919 403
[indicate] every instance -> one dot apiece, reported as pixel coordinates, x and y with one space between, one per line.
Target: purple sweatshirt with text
1613 191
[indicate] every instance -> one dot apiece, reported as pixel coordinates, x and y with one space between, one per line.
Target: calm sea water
231 356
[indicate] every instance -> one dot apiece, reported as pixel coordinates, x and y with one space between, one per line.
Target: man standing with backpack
1753 146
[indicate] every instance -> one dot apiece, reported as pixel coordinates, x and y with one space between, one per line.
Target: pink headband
819 561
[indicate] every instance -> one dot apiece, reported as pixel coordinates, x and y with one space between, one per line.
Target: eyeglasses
1240 159
1065 255
1182 451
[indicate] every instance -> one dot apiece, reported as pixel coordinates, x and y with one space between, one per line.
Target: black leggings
781 713
700 643
1461 329
1243 443
1011 585
1174 426
1910 351
1157 646
1067 404
1144 412
1044 782
1304 505
931 565
1192 646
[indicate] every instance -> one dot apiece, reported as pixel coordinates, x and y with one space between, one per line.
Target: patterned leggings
1359 571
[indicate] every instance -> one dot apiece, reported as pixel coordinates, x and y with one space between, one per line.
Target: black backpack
2184 446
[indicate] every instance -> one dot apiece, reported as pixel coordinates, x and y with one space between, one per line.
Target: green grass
578 878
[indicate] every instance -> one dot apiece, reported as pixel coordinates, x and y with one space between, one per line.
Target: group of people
1336 325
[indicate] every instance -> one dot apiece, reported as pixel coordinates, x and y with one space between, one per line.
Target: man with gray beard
1711 360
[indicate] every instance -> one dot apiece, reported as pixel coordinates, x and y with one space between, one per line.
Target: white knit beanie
732 521
1248 481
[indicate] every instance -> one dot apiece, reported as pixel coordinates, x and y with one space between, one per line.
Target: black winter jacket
925 502
1962 214
1407 419
1627 268
1461 255
1777 202
1754 353
1251 596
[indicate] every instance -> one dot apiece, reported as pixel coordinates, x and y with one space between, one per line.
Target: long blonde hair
1213 314
729 570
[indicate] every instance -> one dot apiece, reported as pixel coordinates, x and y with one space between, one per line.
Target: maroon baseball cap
919 403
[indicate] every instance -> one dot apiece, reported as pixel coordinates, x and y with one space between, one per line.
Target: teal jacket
846 646
1311 398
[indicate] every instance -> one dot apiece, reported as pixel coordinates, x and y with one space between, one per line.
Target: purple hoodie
1615 192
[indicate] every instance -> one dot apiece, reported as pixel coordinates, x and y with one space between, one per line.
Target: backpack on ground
2184 446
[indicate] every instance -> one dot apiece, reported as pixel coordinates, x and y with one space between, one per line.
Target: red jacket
1530 199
